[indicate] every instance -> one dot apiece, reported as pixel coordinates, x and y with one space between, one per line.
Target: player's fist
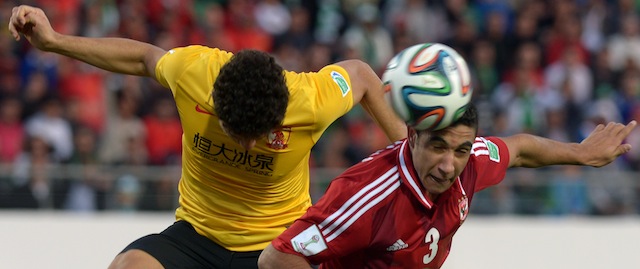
33 24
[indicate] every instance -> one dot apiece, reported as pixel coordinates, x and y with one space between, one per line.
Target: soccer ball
428 85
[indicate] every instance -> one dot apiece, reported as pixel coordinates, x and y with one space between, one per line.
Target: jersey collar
409 177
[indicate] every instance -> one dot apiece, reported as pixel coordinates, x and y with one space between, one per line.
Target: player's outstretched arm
112 54
603 145
271 258
368 91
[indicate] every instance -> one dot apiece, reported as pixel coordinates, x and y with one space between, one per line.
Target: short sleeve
189 63
491 160
324 233
335 94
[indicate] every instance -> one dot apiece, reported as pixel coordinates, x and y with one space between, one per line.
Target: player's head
250 96
440 156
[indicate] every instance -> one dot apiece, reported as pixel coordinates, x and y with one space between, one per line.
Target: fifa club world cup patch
279 139
494 153
342 83
309 242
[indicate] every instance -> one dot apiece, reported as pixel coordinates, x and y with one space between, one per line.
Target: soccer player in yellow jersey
249 127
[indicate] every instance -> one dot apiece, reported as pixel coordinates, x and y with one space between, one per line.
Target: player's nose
446 165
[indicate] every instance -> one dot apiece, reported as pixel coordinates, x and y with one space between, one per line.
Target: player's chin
437 184
440 180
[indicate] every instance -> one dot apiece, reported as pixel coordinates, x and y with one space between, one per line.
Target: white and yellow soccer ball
428 85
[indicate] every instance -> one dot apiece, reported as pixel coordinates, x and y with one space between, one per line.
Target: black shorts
180 246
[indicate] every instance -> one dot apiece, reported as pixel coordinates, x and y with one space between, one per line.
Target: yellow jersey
243 199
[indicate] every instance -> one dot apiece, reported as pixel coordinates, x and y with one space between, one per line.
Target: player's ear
412 136
222 127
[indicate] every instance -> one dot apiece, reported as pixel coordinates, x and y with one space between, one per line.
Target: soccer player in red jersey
400 207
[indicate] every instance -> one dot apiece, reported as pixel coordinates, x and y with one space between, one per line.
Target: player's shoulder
388 153
488 147
195 52
380 165
329 72
488 154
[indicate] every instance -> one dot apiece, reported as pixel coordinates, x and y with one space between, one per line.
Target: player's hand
604 144
33 24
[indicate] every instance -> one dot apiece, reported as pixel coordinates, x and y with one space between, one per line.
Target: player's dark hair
250 95
469 118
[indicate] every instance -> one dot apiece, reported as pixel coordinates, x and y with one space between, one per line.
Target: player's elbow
271 258
267 258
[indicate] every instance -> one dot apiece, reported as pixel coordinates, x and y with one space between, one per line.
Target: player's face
439 157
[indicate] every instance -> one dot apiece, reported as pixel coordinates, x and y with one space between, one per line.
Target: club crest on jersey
279 139
463 208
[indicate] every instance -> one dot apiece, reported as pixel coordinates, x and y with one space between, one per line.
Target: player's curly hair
250 95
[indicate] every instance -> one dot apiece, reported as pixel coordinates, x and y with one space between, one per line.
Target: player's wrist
53 43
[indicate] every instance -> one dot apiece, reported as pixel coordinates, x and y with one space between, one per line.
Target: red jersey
375 214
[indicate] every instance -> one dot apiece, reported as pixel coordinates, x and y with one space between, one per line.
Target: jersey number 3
432 238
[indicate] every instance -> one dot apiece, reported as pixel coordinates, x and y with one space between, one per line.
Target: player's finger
599 127
12 27
21 15
626 130
622 149
18 20
613 128
620 130
25 14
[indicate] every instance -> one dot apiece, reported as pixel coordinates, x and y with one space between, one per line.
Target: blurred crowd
555 68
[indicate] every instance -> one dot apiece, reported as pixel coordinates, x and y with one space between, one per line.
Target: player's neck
432 196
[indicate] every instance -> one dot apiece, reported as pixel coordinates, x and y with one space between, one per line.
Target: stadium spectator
272 16
624 46
122 126
483 68
628 94
242 29
401 206
299 34
411 16
211 30
11 129
9 67
83 95
50 124
163 133
523 103
568 192
565 34
87 187
594 25
366 39
572 70
34 94
31 179
248 125
525 30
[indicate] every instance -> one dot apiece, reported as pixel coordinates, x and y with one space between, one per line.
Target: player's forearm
118 55
368 91
534 151
271 258
373 102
